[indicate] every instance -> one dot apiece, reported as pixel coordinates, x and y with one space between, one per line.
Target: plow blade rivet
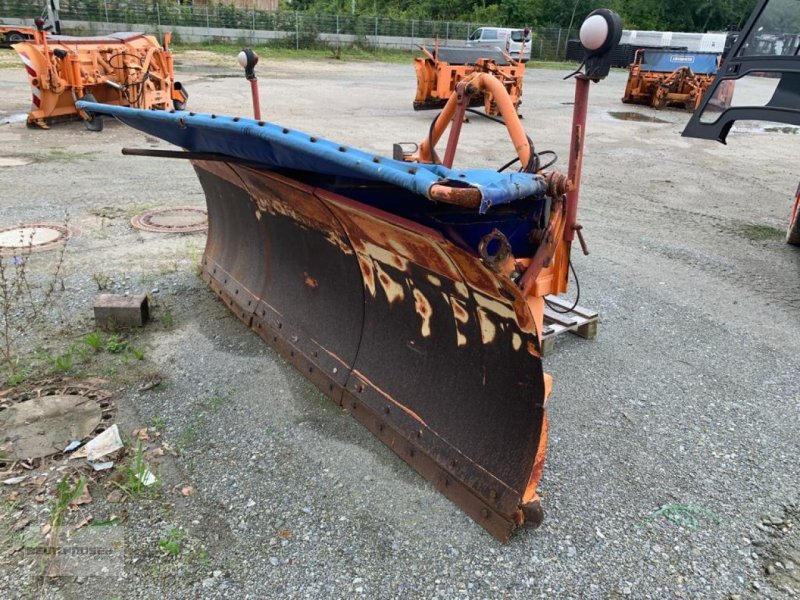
310 369
335 370
386 410
485 513
419 433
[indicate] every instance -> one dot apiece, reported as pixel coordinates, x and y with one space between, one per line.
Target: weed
94 340
171 542
115 344
759 233
18 376
63 362
167 319
215 403
159 423
139 481
683 515
65 494
64 155
24 293
102 281
192 432
137 354
201 558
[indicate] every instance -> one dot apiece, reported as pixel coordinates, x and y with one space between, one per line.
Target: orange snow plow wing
409 292
124 69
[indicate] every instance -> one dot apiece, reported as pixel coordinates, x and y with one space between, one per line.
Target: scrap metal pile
661 78
409 291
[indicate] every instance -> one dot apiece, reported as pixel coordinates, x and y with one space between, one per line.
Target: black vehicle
759 81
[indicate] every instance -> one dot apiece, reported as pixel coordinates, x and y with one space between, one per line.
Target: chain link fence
294 29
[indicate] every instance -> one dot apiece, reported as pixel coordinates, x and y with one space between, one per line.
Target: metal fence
301 29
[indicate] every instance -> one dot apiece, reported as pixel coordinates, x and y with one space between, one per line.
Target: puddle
9 161
634 116
18 118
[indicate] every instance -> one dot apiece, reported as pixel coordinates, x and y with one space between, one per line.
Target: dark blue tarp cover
662 61
275 146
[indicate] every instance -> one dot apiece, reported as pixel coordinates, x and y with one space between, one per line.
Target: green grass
171 543
266 53
759 233
683 515
135 475
116 344
95 340
65 494
63 363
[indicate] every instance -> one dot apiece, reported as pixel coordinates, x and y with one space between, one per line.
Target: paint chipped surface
488 328
423 308
516 341
461 315
434 280
495 306
368 275
310 281
394 291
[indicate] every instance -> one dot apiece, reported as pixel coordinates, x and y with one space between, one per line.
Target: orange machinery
126 69
439 73
661 78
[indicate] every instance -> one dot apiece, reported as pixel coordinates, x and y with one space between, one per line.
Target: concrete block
116 311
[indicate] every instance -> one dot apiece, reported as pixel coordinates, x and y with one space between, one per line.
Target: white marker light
594 32
242 59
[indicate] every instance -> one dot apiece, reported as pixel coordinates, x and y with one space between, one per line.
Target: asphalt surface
672 468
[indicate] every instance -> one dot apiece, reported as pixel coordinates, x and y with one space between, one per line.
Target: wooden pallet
579 321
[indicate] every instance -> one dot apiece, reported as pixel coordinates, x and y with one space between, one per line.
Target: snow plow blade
409 292
415 338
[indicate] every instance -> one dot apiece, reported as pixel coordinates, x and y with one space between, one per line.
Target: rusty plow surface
429 350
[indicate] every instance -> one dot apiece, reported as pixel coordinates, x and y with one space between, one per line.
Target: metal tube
576 152
256 99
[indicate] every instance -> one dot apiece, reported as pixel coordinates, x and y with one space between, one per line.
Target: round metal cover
32 237
10 161
183 219
42 422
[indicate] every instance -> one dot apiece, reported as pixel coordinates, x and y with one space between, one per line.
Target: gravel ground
688 397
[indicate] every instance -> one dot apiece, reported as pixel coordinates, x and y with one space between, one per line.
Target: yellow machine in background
125 69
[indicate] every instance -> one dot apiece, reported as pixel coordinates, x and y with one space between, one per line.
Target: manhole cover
172 220
8 161
43 421
32 237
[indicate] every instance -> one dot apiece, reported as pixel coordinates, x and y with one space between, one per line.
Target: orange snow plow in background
439 73
661 78
407 290
124 69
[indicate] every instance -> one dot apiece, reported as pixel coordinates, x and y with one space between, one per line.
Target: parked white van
508 40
